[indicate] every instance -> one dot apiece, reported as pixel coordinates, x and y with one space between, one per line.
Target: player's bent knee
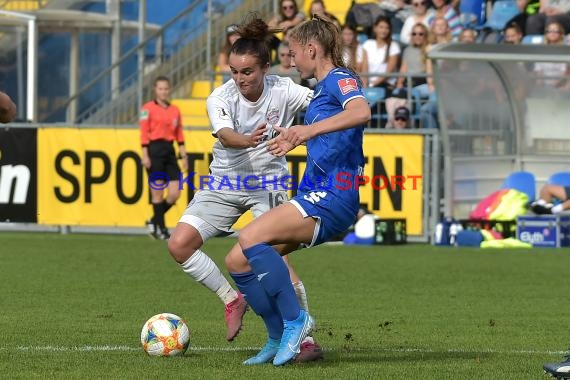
180 248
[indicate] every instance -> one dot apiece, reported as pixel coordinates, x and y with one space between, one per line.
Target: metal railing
183 50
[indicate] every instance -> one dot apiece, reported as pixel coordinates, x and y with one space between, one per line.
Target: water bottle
438 234
397 232
452 233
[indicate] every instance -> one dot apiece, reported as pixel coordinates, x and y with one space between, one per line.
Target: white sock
558 208
301 295
541 202
202 269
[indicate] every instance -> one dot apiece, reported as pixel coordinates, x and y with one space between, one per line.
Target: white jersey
228 108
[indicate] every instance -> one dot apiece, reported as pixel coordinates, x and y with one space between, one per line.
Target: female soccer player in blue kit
333 133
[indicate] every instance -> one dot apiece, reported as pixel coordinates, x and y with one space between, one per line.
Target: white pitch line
103 348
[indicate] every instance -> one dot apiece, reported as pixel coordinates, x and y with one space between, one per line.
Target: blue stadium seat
374 94
559 178
523 182
501 13
533 39
472 12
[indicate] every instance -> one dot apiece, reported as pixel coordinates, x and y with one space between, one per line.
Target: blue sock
260 302
273 275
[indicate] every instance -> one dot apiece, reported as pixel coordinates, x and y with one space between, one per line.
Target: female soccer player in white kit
244 176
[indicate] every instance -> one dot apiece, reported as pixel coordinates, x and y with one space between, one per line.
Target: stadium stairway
193 112
193 109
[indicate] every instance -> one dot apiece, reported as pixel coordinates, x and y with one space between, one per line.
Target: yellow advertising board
94 177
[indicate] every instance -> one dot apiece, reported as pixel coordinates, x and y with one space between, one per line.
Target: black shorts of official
163 159
567 189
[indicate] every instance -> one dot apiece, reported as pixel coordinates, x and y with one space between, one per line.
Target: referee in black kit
161 124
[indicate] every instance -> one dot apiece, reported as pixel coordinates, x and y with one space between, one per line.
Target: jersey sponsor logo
143 115
223 114
347 85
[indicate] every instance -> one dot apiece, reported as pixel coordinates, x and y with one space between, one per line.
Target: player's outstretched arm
7 108
356 113
231 139
279 146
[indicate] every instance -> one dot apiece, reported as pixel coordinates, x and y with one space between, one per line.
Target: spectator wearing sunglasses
289 15
552 74
421 13
401 118
414 62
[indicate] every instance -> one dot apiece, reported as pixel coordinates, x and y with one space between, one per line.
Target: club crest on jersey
272 116
223 114
347 85
143 115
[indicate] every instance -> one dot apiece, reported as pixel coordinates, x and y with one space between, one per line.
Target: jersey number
275 199
316 196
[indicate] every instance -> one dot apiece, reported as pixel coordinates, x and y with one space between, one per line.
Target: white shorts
213 213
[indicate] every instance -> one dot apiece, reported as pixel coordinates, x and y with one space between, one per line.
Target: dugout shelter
501 108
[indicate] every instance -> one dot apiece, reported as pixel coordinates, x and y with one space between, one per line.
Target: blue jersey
334 205
333 153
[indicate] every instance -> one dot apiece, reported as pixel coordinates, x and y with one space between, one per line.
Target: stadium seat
201 89
337 8
501 13
194 113
472 12
25 6
533 39
522 181
374 94
362 38
559 178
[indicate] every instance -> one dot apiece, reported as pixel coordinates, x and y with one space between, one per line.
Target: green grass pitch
72 307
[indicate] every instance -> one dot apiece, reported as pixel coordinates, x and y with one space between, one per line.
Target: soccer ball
165 334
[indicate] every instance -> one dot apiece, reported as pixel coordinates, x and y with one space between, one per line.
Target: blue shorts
335 210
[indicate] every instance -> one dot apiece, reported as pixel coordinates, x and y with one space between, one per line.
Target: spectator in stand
317 7
468 36
401 118
398 11
421 15
289 15
527 8
284 68
353 53
553 35
549 11
513 34
414 60
223 65
383 54
444 9
440 34
7 108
